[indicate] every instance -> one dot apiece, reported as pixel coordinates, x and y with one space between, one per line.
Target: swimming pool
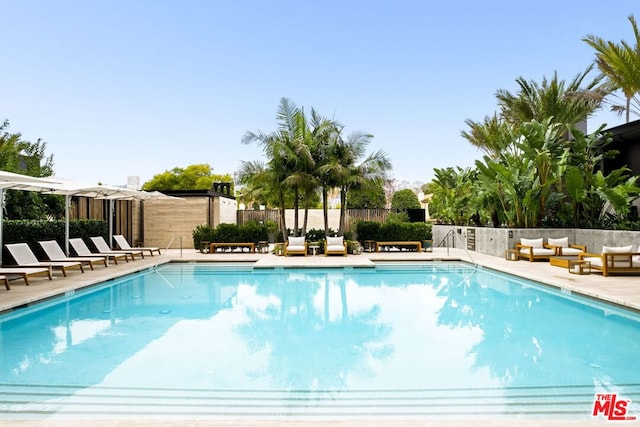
417 341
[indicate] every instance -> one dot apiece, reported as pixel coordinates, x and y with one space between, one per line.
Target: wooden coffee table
562 261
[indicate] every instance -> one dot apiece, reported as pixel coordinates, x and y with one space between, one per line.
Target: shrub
315 235
254 232
367 230
227 233
393 230
202 233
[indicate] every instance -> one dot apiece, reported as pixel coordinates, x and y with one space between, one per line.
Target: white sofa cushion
296 244
335 241
563 242
617 249
538 251
571 251
335 244
534 243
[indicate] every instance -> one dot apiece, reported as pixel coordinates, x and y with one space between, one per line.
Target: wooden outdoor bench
399 245
214 245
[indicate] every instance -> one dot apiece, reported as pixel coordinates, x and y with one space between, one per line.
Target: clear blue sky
136 87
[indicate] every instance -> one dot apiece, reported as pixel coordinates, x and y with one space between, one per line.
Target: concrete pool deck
620 290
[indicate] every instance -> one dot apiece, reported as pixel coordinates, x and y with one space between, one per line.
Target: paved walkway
621 290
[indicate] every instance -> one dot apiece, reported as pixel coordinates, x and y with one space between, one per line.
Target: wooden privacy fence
352 216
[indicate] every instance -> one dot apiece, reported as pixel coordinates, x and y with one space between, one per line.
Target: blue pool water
419 341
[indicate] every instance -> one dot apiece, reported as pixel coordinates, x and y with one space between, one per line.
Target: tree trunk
343 210
295 211
325 210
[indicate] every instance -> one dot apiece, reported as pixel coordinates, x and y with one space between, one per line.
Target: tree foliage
307 155
405 199
27 158
371 198
192 177
620 64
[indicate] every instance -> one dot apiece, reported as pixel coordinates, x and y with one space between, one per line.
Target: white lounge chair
335 246
81 249
123 244
24 257
102 247
55 253
533 249
296 246
614 259
563 248
25 273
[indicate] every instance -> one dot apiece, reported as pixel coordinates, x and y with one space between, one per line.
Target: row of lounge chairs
27 264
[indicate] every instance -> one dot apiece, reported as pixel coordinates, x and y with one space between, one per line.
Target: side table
369 245
511 255
579 267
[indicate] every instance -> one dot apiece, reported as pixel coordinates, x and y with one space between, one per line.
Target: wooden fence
352 216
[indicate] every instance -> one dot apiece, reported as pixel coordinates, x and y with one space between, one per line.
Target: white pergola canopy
68 188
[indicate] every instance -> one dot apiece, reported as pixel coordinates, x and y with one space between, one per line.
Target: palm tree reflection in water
306 344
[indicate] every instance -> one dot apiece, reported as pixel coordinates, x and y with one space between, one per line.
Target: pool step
30 402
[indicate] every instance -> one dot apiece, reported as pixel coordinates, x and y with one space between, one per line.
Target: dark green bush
254 232
202 233
367 230
33 231
393 231
227 233
231 233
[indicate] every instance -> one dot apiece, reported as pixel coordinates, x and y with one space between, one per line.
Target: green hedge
33 231
393 230
230 233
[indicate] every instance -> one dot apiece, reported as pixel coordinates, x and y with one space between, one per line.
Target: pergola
68 189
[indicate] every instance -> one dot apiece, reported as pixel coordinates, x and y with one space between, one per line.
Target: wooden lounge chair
25 273
335 246
24 257
6 282
55 253
296 246
614 259
123 244
563 248
533 249
102 247
81 249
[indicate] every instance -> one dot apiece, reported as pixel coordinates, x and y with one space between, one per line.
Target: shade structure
9 180
128 194
70 188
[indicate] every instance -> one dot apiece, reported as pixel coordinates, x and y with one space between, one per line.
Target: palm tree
565 103
620 63
493 135
287 151
348 170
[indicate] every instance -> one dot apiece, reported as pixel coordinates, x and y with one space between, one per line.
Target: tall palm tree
620 63
325 133
348 169
565 103
288 155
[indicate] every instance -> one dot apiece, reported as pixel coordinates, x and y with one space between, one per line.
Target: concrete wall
494 241
224 211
